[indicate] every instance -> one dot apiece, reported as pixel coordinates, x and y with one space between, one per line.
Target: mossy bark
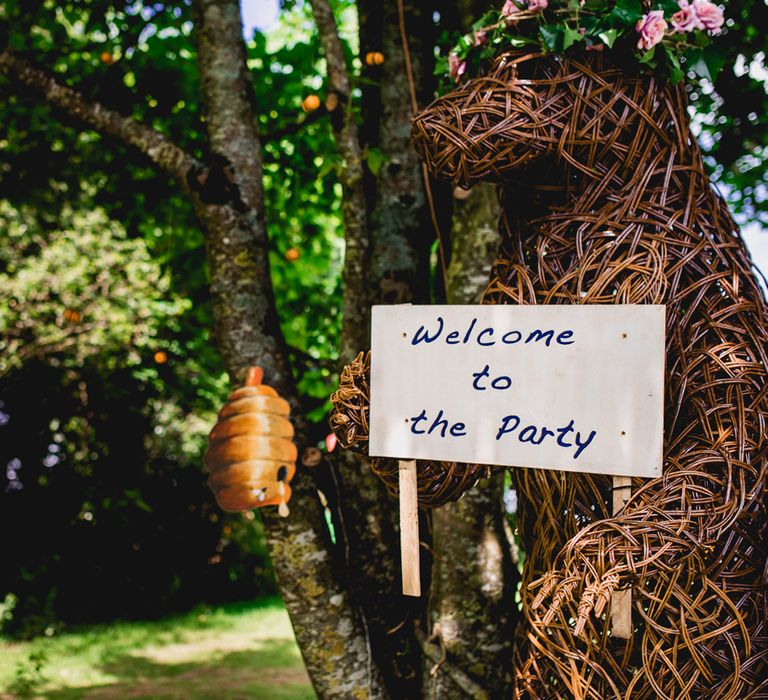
474 243
329 627
401 234
400 223
473 614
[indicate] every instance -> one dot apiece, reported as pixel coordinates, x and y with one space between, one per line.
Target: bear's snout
484 130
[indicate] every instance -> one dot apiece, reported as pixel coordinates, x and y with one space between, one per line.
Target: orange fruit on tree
310 103
374 58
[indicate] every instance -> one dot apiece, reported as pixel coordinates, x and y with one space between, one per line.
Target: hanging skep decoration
250 457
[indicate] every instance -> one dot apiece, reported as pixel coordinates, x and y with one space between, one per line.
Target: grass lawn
237 651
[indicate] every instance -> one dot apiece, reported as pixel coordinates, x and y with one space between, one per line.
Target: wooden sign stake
621 601
409 528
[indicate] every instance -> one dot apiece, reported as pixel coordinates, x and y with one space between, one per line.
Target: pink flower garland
710 16
511 8
456 67
699 14
559 28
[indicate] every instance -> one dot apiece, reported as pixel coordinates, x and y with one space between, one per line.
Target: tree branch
338 74
354 332
163 152
295 127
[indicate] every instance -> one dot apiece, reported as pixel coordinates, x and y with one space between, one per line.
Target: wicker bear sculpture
605 200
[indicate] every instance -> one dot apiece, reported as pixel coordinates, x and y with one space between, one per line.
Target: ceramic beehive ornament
250 457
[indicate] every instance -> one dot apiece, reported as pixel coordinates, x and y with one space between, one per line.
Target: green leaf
627 12
487 20
519 41
669 7
441 65
715 58
570 37
701 39
590 24
552 37
608 37
376 159
675 71
695 62
648 58
706 62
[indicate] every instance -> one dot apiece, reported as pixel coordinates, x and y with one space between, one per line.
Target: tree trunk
332 636
470 647
474 243
473 610
355 307
401 227
365 516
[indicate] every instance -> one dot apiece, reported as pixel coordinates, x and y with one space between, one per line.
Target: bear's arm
691 524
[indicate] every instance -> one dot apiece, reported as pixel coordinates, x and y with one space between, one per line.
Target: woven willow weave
605 200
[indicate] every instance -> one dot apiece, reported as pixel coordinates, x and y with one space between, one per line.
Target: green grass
237 651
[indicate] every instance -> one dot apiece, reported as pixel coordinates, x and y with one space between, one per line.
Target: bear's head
561 118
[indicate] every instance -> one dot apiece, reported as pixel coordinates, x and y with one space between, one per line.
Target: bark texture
470 647
473 611
474 242
366 516
401 234
401 228
331 634
163 152
244 307
355 306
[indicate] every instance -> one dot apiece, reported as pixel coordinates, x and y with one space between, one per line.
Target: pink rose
456 67
685 19
537 5
710 16
510 12
651 28
481 39
510 9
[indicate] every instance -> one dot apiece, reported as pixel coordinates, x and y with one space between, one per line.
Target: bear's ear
489 126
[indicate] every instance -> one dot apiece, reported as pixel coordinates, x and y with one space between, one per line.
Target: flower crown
672 37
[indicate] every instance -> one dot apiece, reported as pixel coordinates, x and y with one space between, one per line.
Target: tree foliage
78 208
61 303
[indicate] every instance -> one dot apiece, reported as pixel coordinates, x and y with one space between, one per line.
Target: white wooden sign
574 388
